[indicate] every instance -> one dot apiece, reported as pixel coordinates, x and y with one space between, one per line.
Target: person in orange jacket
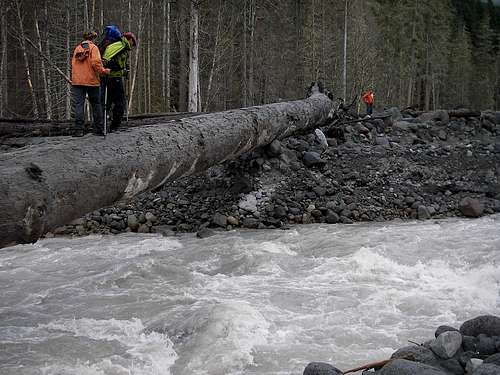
86 68
368 98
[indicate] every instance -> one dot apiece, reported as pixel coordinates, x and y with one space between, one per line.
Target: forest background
212 55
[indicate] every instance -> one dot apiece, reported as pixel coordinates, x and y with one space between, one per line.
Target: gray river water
241 302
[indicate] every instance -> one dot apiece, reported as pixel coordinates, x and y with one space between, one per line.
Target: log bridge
44 186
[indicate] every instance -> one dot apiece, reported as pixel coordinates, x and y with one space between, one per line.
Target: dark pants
78 94
115 98
369 109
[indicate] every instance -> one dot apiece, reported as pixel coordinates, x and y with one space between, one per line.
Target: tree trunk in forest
413 68
136 61
251 59
215 57
344 71
68 65
48 185
26 61
86 15
45 79
194 74
183 9
165 57
3 63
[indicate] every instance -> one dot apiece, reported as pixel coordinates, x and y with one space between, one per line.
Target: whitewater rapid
241 302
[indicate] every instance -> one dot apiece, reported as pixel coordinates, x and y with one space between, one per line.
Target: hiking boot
78 133
97 131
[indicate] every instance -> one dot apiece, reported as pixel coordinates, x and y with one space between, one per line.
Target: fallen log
48 128
463 112
50 184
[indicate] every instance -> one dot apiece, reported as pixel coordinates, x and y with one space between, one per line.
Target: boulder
133 222
423 213
471 207
453 366
447 344
487 324
405 367
444 328
311 158
274 148
248 203
321 139
320 368
204 233
493 359
415 353
485 345
487 369
219 220
439 115
472 365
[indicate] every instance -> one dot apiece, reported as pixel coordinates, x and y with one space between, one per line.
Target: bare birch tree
165 56
22 41
194 74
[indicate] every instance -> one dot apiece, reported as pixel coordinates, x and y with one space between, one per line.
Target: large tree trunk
194 74
48 185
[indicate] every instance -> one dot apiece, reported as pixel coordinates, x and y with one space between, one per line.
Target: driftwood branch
49 61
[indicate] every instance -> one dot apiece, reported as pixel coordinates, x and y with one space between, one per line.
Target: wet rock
487 324
405 367
453 366
472 365
274 149
133 222
143 228
440 116
312 158
320 368
471 207
164 230
444 328
423 213
487 369
233 221
414 353
321 139
485 345
249 203
469 343
332 217
219 220
150 217
493 359
204 233
250 222
447 344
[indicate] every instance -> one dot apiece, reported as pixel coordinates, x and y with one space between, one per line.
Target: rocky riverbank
398 166
472 349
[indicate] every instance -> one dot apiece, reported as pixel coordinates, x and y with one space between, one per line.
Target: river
241 302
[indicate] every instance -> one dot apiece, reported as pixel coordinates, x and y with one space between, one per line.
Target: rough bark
194 75
50 184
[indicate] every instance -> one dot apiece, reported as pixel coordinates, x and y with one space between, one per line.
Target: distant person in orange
86 68
368 98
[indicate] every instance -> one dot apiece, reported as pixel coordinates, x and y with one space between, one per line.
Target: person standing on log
86 67
368 97
116 57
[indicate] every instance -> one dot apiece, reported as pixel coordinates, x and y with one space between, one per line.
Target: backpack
110 34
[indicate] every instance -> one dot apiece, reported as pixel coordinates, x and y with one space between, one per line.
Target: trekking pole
126 99
105 130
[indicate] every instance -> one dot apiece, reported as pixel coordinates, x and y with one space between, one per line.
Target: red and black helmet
131 37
